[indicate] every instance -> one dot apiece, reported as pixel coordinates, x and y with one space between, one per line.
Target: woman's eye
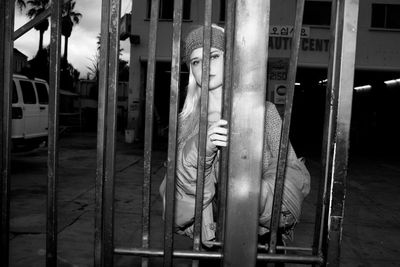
214 56
195 62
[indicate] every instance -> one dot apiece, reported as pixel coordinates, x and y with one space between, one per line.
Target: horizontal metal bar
288 248
290 258
216 255
219 244
160 253
33 22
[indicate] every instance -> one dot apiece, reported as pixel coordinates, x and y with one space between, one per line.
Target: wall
377 50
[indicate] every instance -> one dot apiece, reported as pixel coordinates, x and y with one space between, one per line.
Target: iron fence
245 79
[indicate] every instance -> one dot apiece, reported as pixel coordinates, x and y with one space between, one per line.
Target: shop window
317 13
385 16
166 9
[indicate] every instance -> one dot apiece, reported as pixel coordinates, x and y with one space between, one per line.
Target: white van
30 99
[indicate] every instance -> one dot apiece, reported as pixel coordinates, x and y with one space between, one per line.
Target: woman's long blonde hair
189 116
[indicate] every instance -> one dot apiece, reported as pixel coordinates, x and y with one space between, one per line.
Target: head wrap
194 40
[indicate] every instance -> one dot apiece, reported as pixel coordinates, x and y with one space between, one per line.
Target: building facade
377 55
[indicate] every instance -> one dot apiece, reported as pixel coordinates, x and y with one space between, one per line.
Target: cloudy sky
82 44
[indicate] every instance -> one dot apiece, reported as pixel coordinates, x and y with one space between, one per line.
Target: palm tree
69 18
21 4
37 7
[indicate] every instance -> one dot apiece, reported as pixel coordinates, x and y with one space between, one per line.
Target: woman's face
216 66
216 79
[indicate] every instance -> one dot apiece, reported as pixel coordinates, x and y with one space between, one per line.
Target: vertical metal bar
53 147
326 155
226 108
344 75
148 142
6 55
172 135
202 136
109 157
101 133
284 142
246 131
132 117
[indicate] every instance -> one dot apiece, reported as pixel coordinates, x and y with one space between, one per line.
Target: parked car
30 99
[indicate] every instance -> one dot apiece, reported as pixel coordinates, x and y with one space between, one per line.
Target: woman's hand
217 135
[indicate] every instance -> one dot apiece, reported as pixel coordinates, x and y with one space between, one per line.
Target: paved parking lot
371 226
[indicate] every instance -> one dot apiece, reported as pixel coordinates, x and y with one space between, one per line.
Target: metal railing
236 247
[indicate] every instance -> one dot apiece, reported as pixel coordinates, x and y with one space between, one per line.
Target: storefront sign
287 31
306 44
280 93
278 69
277 79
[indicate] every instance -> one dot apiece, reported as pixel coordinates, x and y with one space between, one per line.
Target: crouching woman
297 178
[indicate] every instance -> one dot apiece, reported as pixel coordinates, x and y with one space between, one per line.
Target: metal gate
246 79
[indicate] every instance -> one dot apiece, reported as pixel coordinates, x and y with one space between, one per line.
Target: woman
297 179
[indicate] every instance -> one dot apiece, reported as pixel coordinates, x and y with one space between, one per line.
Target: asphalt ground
371 232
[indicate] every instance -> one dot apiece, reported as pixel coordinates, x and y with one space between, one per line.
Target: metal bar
202 136
290 258
101 133
344 75
226 111
284 142
33 22
219 244
111 120
133 97
172 134
326 155
148 141
53 147
217 255
6 59
246 131
151 252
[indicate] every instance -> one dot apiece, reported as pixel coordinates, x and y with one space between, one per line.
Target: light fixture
323 81
392 83
363 88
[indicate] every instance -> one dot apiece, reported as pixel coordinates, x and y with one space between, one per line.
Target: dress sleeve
297 177
187 169
273 126
186 179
